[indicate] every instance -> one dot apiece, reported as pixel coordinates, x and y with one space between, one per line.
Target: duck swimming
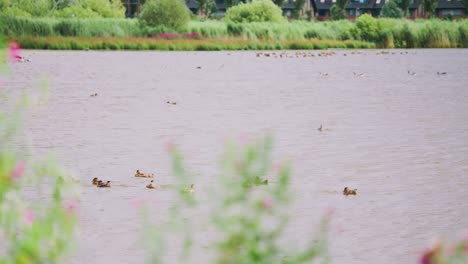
320 128
95 181
143 175
347 191
104 185
151 185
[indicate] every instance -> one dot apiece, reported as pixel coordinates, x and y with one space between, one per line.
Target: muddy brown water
400 139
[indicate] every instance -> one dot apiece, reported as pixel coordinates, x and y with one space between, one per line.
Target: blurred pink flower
277 167
14 52
170 146
137 203
429 255
70 206
330 213
18 170
266 203
29 216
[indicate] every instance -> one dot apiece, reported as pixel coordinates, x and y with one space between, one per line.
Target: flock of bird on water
151 185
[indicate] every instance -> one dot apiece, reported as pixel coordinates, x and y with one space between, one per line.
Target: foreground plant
37 199
440 254
248 220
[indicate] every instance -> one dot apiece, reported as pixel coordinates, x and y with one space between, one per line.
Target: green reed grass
135 43
385 33
95 27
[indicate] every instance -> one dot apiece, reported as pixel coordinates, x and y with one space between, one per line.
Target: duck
138 173
320 129
144 175
347 191
104 185
189 190
441 73
94 95
95 181
151 185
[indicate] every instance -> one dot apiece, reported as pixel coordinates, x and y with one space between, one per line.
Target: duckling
144 175
189 190
151 185
139 174
95 181
104 185
347 191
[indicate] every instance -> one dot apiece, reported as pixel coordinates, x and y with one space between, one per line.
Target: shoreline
182 44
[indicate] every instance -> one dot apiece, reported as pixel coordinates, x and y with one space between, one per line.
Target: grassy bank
384 33
137 43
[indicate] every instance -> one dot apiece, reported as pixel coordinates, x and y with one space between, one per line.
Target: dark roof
449 4
192 4
323 4
327 4
379 4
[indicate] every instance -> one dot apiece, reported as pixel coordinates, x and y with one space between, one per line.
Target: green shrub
105 8
172 14
391 9
14 12
256 11
75 12
26 8
367 27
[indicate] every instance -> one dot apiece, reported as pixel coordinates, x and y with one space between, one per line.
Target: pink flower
18 170
137 203
429 256
266 203
170 146
14 52
277 167
70 206
29 216
330 213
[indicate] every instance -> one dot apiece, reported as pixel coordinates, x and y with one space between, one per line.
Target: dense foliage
398 33
391 9
404 5
62 8
172 14
337 11
256 11
430 7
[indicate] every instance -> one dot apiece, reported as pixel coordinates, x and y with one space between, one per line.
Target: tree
172 14
256 11
298 6
404 5
229 3
337 11
391 9
429 7
206 7
465 4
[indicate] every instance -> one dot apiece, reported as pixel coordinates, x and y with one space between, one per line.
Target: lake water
401 139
